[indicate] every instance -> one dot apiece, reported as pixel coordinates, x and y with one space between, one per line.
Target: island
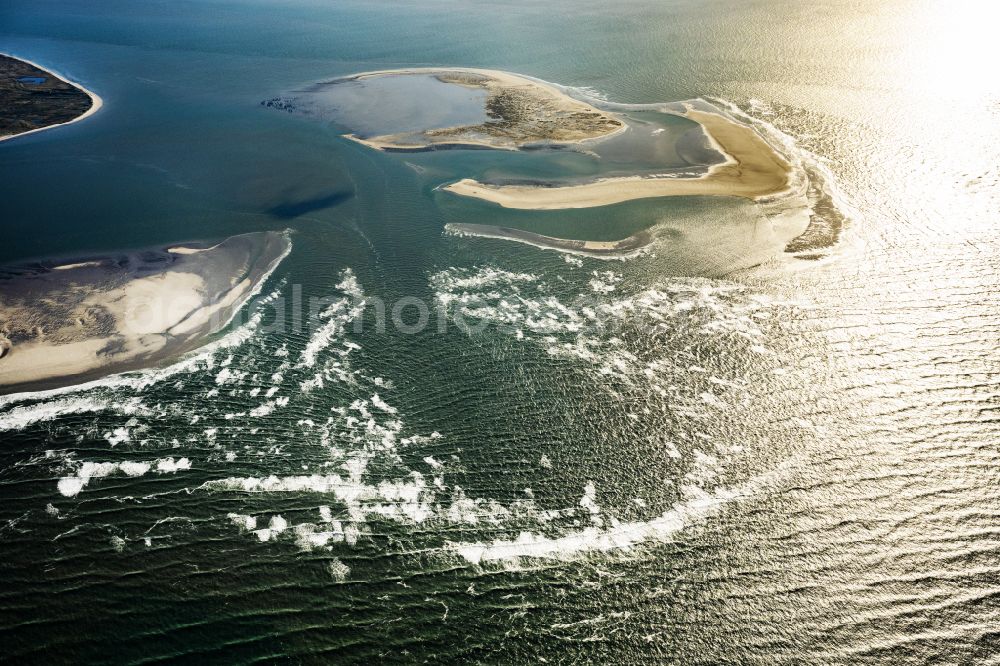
589 152
523 113
519 112
67 321
33 99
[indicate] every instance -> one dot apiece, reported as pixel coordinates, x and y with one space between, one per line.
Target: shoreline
549 98
96 103
753 170
389 147
154 316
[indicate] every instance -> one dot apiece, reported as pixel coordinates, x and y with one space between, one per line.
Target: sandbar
618 249
63 323
752 170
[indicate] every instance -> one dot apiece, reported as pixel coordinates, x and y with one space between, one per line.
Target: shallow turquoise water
746 462
393 104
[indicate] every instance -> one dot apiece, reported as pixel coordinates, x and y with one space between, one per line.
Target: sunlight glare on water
714 451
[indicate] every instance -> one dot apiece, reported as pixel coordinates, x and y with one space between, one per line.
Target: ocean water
718 451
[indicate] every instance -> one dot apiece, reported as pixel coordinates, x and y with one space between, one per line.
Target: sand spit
181 249
753 170
521 111
57 101
619 249
72 323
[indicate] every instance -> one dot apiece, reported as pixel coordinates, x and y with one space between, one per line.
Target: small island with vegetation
33 99
519 112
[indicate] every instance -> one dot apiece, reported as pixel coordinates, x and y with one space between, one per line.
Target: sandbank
80 321
752 170
619 249
526 112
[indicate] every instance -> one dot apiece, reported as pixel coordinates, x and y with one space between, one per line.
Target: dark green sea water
753 456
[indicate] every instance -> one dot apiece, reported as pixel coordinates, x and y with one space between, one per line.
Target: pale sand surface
203 316
598 249
180 249
97 317
153 304
67 267
40 361
95 100
150 311
753 170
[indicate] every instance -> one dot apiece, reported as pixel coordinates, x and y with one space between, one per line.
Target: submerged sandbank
48 101
76 321
753 170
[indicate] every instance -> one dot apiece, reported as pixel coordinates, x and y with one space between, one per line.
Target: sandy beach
95 100
79 321
753 170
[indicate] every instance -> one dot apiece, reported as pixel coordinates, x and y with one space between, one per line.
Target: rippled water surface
715 452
